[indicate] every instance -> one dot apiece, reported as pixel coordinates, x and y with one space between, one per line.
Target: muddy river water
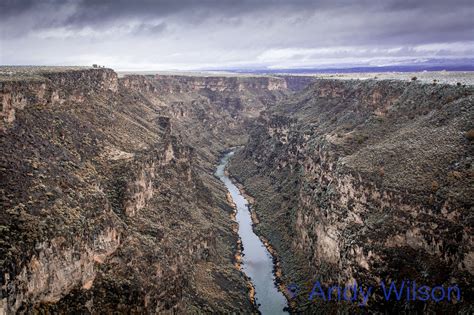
257 263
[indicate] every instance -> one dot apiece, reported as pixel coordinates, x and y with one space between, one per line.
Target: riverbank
257 258
277 270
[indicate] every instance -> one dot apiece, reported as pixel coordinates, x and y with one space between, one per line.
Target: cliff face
53 88
180 84
297 82
366 180
211 113
106 205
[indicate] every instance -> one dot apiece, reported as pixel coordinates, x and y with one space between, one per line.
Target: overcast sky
190 34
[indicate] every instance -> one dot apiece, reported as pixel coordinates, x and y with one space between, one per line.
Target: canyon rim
244 157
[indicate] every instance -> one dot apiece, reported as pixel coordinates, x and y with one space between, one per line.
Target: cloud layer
187 34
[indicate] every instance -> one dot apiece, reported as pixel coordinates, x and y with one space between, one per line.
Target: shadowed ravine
257 263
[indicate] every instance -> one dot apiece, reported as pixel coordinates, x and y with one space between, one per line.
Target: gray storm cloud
220 34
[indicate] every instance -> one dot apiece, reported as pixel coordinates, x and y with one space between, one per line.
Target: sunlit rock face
366 180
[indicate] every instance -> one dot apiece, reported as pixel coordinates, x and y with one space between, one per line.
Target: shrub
434 185
361 138
470 135
454 175
382 171
414 78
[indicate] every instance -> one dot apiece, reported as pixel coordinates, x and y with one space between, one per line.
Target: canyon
109 202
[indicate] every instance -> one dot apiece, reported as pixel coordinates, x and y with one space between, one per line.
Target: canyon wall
180 84
107 193
297 83
368 181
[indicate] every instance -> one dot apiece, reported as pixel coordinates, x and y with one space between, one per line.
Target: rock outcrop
53 88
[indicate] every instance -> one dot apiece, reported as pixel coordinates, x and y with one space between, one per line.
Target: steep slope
366 181
106 205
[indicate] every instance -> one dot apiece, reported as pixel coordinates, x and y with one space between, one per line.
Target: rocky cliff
367 181
108 199
212 113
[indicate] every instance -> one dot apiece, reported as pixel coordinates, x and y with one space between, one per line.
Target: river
257 262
